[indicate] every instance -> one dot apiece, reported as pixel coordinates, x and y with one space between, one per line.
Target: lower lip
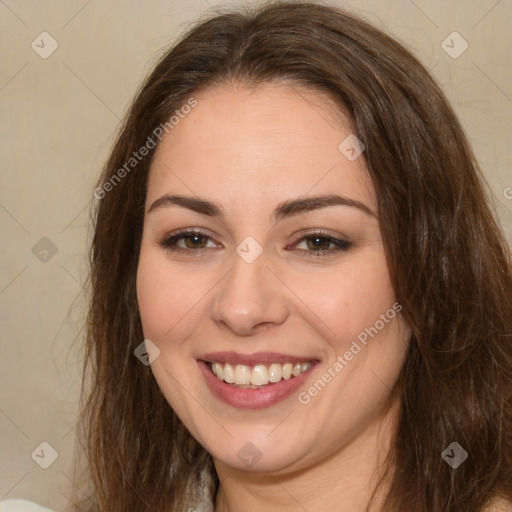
244 398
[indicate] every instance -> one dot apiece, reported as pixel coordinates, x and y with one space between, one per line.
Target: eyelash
169 243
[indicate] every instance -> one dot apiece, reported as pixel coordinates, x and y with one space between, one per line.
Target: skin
250 149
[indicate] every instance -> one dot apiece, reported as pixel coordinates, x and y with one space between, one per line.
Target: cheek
348 299
166 296
153 299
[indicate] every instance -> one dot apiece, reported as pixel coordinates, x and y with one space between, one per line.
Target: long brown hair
449 263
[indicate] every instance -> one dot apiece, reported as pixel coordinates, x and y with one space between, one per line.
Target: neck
344 481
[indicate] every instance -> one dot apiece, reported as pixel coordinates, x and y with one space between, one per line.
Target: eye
320 244
197 242
187 241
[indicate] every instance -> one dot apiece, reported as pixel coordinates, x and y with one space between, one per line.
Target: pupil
194 241
319 243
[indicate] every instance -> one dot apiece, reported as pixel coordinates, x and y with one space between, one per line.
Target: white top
30 506
21 506
201 499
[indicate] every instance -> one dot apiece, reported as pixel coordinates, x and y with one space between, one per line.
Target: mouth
258 376
254 381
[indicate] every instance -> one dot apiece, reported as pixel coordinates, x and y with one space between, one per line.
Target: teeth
217 370
260 375
229 374
242 374
275 372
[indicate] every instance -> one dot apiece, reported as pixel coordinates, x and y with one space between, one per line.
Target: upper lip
235 358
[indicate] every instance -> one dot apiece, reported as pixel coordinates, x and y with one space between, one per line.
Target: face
262 260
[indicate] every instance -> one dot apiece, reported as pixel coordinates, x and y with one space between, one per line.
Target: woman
294 223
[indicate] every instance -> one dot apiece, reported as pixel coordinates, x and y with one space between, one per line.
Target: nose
250 298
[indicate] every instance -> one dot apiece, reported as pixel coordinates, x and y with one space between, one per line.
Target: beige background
58 117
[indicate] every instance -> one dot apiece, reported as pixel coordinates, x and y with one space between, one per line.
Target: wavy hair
450 265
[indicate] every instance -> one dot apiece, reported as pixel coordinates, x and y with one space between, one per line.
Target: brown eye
195 241
318 244
187 241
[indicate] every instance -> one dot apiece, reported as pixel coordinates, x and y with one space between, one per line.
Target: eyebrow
284 209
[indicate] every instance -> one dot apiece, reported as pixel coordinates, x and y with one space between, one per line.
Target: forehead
255 143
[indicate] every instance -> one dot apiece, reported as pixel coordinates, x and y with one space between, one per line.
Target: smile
254 381
257 376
